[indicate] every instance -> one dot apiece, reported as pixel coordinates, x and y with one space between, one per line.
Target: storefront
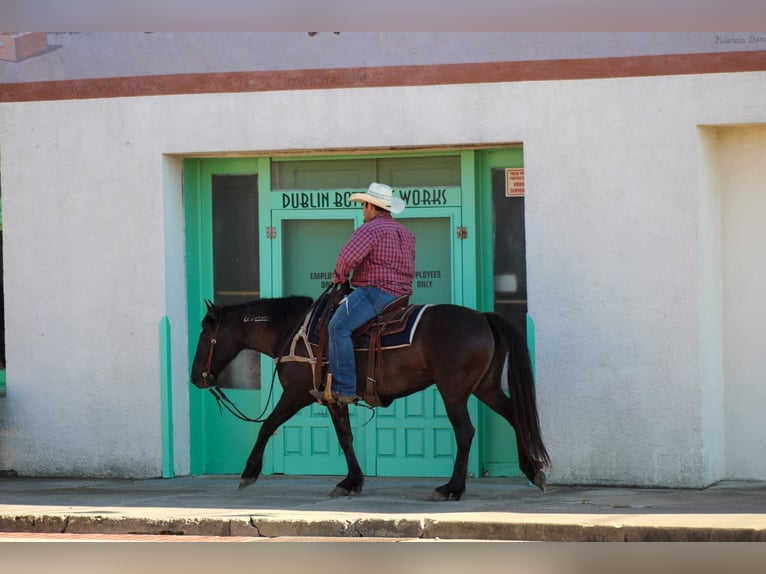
273 226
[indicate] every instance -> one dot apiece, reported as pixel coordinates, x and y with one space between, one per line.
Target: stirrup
324 397
335 398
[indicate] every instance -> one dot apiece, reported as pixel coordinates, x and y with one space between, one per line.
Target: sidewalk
290 506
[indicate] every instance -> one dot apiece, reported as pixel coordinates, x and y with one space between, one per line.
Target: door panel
506 293
221 212
414 436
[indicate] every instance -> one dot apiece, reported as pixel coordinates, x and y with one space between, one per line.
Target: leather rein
221 399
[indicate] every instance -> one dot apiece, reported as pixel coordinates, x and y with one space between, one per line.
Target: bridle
217 392
207 376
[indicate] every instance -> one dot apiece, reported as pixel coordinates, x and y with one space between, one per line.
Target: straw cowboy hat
381 195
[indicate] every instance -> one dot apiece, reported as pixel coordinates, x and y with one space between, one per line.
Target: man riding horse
381 255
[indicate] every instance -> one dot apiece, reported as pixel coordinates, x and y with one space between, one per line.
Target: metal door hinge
462 232
271 232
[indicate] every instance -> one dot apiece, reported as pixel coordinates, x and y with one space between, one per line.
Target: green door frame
197 185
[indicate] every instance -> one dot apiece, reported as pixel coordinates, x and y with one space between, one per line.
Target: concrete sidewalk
289 506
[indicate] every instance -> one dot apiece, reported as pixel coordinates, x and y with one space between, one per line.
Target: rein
222 400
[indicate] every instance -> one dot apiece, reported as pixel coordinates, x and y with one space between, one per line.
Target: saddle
391 329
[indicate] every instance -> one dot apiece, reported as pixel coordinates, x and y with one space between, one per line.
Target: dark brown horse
460 350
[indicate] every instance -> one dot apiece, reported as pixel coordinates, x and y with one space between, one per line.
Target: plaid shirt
381 253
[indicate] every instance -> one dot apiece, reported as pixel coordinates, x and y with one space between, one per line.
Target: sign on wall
514 182
335 199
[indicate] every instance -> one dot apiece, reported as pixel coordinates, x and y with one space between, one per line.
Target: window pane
510 264
359 173
235 262
235 238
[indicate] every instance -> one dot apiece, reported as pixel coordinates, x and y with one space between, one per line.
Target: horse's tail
521 386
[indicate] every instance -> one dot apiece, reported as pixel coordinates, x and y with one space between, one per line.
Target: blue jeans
358 307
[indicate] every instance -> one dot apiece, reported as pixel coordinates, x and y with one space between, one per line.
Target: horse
460 350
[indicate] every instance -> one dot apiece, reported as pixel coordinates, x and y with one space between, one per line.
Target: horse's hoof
437 496
540 480
245 482
338 491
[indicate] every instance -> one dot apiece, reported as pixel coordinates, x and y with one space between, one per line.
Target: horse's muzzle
203 381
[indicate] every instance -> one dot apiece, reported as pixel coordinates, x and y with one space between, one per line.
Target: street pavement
298 507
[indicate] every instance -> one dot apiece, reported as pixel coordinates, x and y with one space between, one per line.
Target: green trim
192 215
197 176
531 343
166 399
264 210
498 457
470 220
469 273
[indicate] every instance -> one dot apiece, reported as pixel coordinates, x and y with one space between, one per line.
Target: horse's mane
276 309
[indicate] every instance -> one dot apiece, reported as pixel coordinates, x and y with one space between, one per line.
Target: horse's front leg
287 406
457 411
354 479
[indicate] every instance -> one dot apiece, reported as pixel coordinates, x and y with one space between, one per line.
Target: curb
377 528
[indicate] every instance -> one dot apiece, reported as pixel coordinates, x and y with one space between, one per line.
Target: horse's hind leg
502 405
354 479
286 408
457 411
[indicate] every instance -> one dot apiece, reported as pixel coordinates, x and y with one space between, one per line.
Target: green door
223 243
505 286
257 229
412 437
304 249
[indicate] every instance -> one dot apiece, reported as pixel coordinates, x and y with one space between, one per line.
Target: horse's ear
208 304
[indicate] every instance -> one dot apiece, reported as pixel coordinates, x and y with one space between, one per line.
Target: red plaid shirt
381 253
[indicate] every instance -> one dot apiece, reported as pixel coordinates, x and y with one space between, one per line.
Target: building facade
608 200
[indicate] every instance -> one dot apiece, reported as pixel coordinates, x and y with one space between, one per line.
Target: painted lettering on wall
340 199
303 200
424 279
324 277
733 39
418 197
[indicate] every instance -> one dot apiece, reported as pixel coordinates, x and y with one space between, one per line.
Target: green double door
412 437
245 241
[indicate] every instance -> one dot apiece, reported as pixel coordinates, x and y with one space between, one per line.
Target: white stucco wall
618 204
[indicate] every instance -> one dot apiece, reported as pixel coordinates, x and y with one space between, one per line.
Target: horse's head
219 342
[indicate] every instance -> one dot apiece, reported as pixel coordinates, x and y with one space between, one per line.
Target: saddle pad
401 338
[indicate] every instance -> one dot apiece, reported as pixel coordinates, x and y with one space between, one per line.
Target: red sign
514 182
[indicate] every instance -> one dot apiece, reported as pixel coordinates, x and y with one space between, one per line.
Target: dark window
510 264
